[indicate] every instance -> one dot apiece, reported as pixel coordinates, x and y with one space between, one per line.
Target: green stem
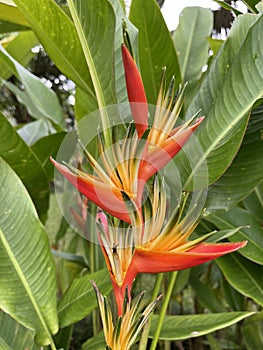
52 345
146 329
93 73
163 310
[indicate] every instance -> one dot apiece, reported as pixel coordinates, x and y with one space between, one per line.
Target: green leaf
190 39
97 342
244 275
58 35
205 295
27 166
252 231
215 45
7 27
33 131
156 48
253 332
20 48
10 13
95 25
15 335
254 202
246 169
46 147
37 97
27 271
227 93
251 4
80 299
188 326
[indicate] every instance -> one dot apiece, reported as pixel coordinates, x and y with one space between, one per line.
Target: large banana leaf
27 166
15 336
95 25
156 48
58 35
80 299
229 90
27 271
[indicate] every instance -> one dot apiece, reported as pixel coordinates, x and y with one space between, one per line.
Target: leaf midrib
38 29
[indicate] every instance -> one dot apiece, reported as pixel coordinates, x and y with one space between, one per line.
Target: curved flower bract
159 245
128 164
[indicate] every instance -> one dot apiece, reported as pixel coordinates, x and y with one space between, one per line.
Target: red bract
135 91
158 246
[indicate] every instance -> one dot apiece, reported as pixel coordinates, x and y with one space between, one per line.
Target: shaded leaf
27 166
97 342
254 203
80 299
15 335
188 326
27 271
46 147
244 275
252 231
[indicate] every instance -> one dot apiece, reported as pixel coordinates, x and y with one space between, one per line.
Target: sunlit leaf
27 271
228 92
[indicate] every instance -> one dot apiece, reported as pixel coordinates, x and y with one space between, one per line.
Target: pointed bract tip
135 91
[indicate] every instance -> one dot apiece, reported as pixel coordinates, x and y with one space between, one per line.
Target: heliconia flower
122 334
127 165
135 91
158 245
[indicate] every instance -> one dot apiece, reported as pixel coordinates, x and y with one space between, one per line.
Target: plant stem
52 345
146 329
163 310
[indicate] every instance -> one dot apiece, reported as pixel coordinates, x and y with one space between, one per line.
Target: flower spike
156 244
123 334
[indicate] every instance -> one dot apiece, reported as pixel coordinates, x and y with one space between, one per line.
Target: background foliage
58 62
